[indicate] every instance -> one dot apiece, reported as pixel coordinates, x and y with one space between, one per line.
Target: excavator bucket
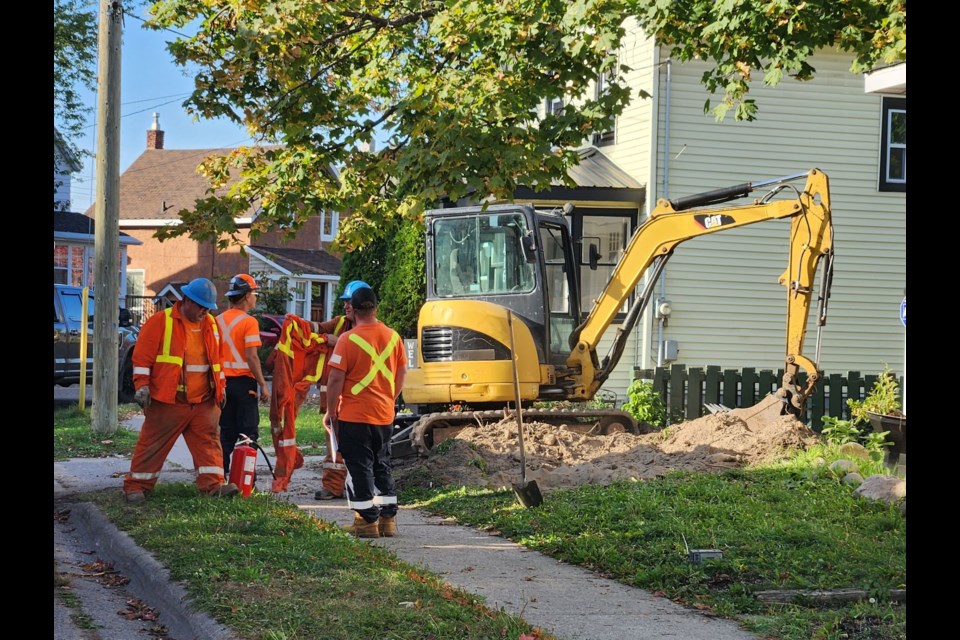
768 410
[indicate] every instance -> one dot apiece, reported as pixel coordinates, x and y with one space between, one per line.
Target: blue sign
903 311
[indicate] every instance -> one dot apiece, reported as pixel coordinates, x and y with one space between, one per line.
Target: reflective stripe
382 500
143 371
336 329
197 368
210 470
239 361
334 465
164 355
144 476
287 443
323 388
366 504
377 362
251 339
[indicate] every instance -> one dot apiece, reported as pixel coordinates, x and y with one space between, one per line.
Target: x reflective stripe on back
226 330
376 364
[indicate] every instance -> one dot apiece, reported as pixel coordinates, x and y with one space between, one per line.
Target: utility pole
107 221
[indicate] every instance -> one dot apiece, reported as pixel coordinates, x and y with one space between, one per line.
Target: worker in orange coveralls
180 385
334 469
296 367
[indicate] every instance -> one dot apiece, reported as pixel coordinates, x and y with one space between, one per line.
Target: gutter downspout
665 193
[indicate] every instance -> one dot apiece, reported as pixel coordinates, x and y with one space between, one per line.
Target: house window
893 145
604 236
69 261
300 299
607 136
553 106
329 224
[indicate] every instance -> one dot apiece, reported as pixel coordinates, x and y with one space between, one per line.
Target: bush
645 404
883 399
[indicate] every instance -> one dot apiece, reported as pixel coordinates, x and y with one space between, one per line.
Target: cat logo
713 221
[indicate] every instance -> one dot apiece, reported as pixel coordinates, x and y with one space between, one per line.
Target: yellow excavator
492 266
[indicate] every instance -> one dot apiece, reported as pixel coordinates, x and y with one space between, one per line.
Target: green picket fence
685 390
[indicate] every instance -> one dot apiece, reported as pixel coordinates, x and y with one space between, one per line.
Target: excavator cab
511 256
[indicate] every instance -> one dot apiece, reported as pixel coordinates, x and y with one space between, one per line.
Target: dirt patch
557 457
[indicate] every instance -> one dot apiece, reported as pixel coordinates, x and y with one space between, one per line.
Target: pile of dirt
557 457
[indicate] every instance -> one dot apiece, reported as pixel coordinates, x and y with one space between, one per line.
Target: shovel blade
528 494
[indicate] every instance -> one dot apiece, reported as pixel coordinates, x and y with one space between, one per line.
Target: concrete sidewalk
569 602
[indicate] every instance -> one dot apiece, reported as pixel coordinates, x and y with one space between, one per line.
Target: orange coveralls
186 388
296 368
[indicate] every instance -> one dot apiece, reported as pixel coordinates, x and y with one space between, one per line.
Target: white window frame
892 106
334 225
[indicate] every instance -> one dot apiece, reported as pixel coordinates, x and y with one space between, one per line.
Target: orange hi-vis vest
369 356
158 357
238 330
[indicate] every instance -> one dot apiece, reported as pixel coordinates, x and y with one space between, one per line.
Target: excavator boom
675 221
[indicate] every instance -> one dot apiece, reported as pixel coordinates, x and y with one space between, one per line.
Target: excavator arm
675 221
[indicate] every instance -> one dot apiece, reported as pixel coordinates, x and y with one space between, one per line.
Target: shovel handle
516 391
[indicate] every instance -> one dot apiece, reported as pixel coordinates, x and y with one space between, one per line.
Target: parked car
68 322
270 326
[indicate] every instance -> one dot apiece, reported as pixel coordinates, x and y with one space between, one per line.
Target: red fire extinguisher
243 464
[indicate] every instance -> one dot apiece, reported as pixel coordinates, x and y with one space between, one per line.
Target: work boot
363 529
388 526
225 491
325 494
135 497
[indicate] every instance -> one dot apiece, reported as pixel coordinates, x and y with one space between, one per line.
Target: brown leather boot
363 529
388 526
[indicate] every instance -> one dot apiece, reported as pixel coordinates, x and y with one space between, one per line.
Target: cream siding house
728 309
727 306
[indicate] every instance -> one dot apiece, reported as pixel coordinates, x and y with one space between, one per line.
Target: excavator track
433 428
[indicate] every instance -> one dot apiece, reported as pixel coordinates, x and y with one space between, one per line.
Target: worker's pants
366 452
240 415
163 424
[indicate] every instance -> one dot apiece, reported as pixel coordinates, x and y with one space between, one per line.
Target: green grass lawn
272 572
267 568
781 527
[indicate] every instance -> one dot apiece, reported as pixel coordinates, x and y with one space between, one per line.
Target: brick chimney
155 134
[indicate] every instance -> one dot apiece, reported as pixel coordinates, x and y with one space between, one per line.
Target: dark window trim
889 104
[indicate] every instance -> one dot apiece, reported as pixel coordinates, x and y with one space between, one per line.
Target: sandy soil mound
556 457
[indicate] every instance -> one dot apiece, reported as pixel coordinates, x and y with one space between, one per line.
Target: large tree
454 88
74 65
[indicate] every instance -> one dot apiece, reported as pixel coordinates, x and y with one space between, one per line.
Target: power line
130 15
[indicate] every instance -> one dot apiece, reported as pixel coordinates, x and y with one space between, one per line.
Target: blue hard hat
202 292
352 286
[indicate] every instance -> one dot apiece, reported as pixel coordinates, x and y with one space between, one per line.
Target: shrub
883 399
645 404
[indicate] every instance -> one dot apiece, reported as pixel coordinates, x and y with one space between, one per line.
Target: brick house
161 182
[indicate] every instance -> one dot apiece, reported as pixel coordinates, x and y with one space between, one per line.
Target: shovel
528 493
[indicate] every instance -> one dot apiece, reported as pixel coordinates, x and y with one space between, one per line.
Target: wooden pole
107 222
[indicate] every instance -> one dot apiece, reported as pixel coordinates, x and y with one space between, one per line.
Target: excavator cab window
481 255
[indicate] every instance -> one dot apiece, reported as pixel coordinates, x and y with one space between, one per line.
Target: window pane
898 127
481 254
609 235
897 165
60 254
